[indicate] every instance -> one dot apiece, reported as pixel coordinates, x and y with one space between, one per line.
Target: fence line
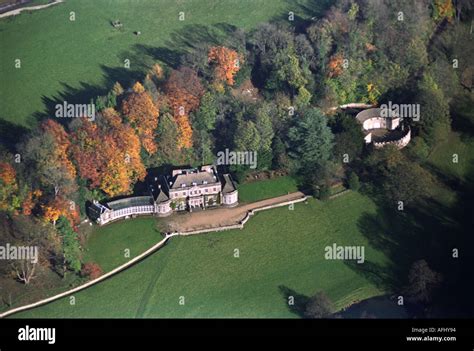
242 222
92 282
150 251
17 11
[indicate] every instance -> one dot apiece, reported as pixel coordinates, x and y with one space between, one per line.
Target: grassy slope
277 248
80 58
107 245
254 191
442 156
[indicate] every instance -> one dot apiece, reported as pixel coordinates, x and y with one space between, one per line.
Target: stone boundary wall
243 221
351 105
339 194
151 250
399 143
12 5
92 282
14 11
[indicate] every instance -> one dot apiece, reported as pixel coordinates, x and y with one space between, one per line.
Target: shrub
91 270
353 181
324 192
318 306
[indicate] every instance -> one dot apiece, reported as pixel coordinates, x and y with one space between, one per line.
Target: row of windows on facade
192 192
135 209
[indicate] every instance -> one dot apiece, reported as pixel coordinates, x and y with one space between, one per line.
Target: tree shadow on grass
86 93
141 59
83 94
300 300
428 230
190 38
10 134
304 12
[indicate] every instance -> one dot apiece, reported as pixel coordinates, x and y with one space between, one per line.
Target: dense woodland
272 90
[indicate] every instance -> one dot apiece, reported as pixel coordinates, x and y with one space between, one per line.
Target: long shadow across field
191 38
10 134
430 231
300 300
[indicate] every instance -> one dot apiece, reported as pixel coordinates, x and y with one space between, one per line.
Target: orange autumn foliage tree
87 151
184 91
7 173
8 188
227 62
54 165
443 9
108 153
185 132
125 164
62 146
142 114
58 207
156 71
30 201
138 88
335 65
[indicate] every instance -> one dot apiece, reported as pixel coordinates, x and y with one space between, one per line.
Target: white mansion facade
186 189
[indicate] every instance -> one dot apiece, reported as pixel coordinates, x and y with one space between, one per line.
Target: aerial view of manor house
236 159
185 189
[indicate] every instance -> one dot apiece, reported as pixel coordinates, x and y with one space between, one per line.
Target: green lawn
109 245
259 190
442 156
105 245
281 254
72 61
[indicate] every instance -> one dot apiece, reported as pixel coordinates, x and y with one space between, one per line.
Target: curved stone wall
400 143
372 119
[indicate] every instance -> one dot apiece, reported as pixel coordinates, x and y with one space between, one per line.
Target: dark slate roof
94 211
159 189
228 184
198 177
130 201
162 196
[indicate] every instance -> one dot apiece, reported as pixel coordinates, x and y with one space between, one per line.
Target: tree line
269 90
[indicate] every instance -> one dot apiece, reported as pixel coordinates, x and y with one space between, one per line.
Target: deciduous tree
142 114
227 63
184 91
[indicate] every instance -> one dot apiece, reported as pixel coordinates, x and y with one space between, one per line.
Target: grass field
108 245
76 60
442 156
281 254
105 246
265 189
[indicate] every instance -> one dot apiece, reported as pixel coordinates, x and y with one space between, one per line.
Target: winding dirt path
29 8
